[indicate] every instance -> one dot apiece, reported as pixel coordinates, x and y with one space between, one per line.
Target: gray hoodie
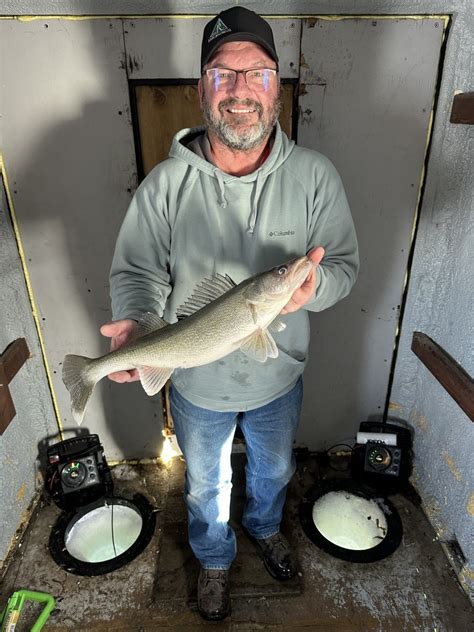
189 220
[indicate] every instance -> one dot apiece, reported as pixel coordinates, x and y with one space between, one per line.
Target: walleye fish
219 318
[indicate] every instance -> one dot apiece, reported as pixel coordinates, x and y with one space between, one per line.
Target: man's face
241 117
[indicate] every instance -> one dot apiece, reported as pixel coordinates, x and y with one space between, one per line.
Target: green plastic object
10 616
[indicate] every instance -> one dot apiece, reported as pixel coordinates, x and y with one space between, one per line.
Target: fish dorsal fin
153 378
205 292
260 346
148 323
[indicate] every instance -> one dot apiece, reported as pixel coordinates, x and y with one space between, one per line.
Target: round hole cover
350 522
102 536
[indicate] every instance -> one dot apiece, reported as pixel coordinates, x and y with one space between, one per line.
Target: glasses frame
208 71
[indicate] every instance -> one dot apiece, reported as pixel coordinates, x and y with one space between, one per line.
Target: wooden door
164 109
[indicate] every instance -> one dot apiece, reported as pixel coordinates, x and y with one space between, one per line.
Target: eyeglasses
258 79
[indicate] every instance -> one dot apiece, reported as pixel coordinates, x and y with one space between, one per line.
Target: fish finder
77 471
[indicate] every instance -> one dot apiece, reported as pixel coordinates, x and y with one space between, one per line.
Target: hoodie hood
281 149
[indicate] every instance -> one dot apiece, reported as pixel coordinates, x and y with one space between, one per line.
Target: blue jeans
205 438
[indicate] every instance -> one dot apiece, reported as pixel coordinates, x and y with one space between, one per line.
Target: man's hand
306 292
120 331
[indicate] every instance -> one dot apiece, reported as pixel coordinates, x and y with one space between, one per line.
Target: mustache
248 103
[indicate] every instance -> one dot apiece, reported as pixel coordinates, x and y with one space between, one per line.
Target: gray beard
241 139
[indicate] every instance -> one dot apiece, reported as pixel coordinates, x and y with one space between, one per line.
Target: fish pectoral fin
252 295
277 325
148 323
260 346
259 311
153 378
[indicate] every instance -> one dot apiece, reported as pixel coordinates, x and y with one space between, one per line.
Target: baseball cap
237 24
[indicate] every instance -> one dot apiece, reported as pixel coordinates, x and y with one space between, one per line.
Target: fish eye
282 270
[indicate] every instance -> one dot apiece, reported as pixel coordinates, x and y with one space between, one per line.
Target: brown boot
277 555
213 594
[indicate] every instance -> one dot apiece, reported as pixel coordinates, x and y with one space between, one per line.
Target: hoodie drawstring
257 189
220 181
254 202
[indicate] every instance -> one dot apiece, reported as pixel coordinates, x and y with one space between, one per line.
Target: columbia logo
281 233
219 29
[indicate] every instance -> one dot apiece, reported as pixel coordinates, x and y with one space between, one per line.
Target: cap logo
219 29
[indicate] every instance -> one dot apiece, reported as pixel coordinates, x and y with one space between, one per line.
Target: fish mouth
301 269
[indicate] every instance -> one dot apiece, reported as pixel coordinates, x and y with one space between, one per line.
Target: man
235 197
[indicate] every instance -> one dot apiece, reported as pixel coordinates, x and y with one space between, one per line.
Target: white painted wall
440 303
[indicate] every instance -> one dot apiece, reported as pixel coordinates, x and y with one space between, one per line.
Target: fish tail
80 381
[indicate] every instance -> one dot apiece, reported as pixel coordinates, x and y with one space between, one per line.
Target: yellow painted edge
34 309
466 572
417 211
452 466
31 18
21 492
470 504
395 406
416 215
427 142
